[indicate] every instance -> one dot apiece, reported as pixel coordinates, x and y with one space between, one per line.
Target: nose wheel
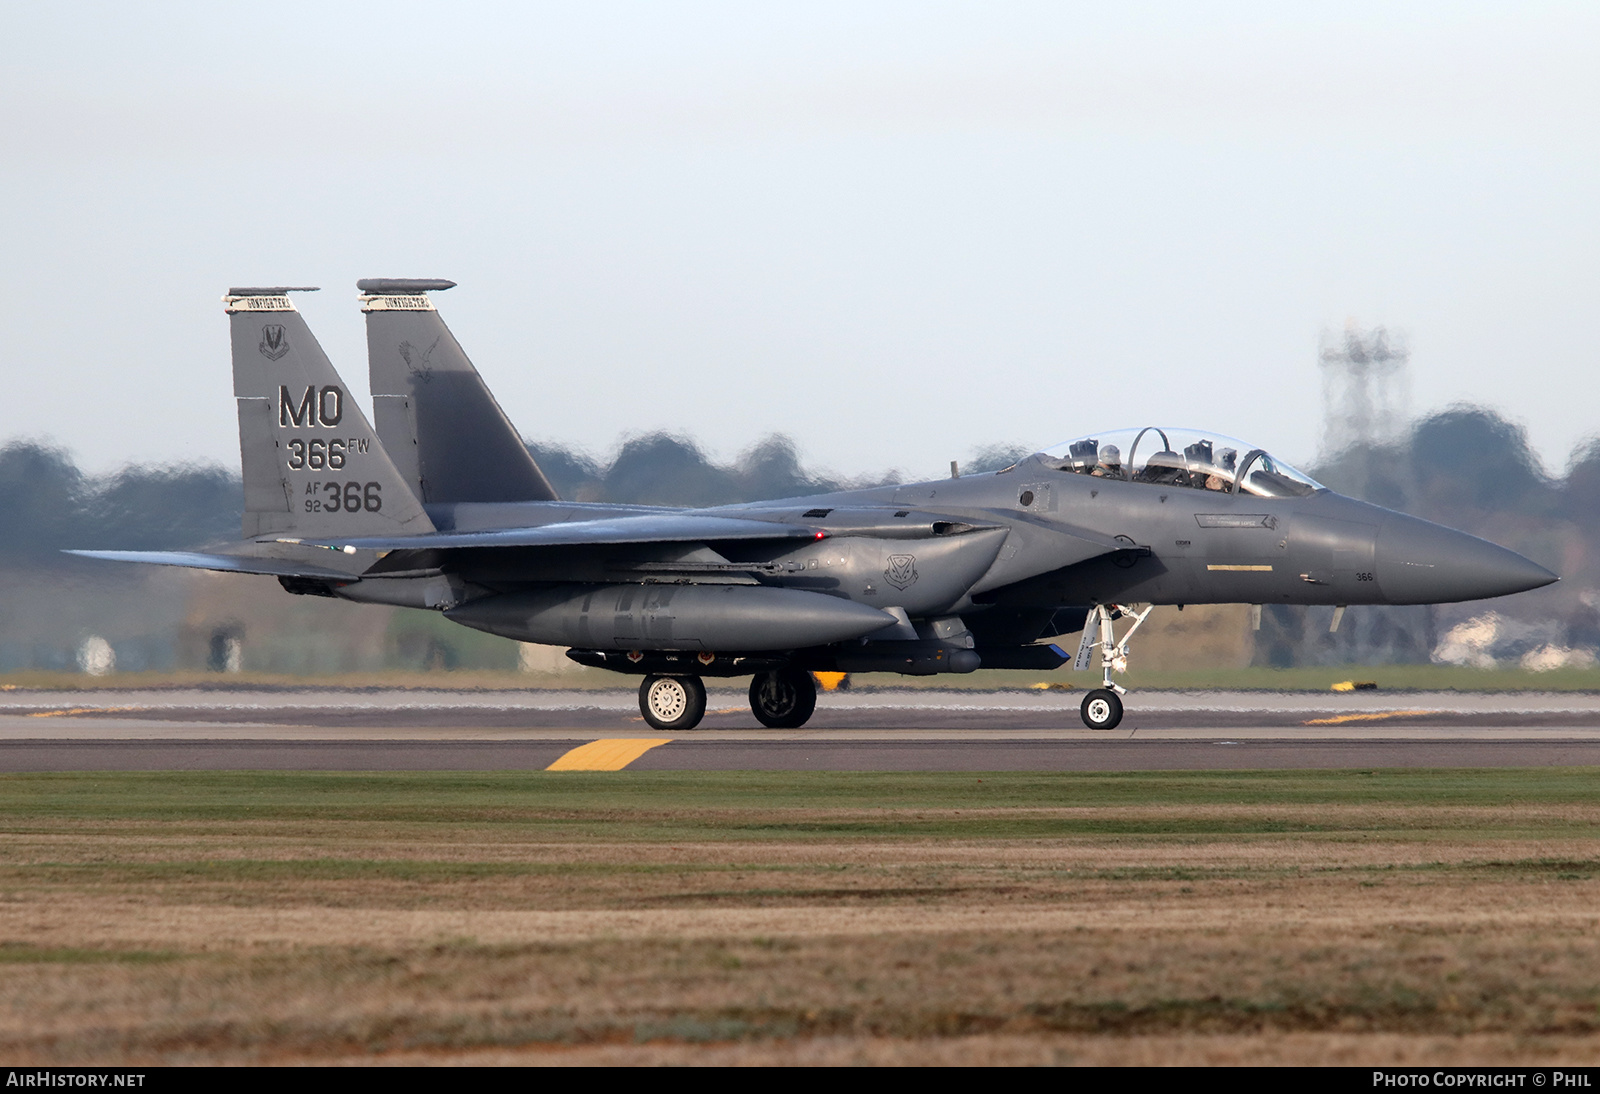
1101 709
672 702
783 698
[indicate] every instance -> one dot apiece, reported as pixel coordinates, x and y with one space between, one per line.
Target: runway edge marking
611 754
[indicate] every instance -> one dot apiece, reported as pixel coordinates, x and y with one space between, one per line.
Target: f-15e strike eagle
441 507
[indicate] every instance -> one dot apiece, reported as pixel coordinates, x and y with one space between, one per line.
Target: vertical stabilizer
312 464
433 411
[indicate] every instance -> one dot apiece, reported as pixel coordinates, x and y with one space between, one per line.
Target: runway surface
889 730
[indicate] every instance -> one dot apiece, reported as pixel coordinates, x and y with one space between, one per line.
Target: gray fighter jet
441 507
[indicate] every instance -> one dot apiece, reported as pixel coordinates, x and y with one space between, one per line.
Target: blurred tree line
1466 467
47 503
1469 468
660 469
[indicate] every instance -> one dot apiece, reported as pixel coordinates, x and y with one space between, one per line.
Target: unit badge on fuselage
901 571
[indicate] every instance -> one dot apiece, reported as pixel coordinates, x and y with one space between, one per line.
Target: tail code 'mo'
312 463
434 412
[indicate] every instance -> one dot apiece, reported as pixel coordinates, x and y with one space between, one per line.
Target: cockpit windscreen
1189 458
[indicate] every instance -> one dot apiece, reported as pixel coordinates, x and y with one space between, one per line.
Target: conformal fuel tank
671 617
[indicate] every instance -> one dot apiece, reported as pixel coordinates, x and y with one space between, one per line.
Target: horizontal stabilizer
649 528
233 564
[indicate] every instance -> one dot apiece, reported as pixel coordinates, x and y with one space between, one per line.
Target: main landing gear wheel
1102 709
783 698
672 702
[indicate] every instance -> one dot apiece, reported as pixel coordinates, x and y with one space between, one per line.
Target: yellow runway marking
1377 716
612 754
77 710
1242 569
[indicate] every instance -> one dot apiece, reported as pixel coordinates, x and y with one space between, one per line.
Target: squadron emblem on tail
273 342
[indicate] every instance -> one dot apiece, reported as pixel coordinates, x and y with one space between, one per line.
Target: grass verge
1358 917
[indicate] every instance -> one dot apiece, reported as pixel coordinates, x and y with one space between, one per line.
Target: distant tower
1365 387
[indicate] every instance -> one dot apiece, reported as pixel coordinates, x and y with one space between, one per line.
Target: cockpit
1188 458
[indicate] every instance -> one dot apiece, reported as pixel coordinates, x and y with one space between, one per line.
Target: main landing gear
780 699
783 698
1102 707
672 702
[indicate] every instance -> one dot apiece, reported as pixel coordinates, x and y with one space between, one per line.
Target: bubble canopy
1192 458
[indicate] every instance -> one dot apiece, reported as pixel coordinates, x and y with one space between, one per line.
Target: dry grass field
1421 917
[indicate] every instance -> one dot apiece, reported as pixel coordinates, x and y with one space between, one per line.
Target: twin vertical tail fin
313 466
437 418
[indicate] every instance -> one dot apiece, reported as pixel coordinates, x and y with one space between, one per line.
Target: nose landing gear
1102 708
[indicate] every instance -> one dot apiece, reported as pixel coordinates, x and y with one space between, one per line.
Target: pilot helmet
1110 455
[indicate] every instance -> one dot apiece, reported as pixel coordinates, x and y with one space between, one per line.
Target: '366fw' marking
317 454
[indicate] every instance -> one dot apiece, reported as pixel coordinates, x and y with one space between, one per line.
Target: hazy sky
895 232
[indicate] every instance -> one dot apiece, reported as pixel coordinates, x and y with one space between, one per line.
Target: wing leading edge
650 528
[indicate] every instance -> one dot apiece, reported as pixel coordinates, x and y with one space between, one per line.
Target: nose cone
1419 562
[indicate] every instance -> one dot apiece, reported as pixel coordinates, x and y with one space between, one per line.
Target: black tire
672 702
783 698
1102 709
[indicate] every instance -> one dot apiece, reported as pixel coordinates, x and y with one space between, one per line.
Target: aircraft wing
645 528
195 560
